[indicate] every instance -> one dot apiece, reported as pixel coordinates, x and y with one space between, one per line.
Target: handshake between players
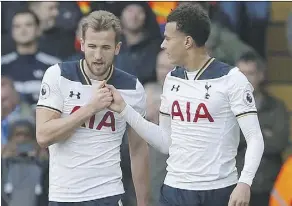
106 96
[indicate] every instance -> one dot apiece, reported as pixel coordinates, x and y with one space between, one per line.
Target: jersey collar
204 67
85 79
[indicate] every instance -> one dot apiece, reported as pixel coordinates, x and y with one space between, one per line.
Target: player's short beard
102 72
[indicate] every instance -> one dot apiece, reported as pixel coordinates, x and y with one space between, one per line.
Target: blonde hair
102 21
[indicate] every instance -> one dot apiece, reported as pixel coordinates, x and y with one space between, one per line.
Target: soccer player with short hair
82 134
204 104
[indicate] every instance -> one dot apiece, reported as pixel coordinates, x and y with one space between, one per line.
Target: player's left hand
118 104
240 195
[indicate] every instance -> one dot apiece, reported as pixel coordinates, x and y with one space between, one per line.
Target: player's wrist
123 106
243 184
124 110
91 109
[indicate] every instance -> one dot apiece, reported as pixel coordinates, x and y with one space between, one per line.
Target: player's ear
82 44
189 42
118 47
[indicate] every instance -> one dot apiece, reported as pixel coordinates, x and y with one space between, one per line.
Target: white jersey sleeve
164 105
50 93
139 103
240 94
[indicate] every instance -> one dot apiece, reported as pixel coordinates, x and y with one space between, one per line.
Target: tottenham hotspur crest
207 87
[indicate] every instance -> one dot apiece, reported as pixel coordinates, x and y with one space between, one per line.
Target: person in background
53 40
78 54
274 120
153 92
24 163
12 108
163 66
223 43
249 20
281 194
8 10
157 159
21 138
27 64
140 43
69 16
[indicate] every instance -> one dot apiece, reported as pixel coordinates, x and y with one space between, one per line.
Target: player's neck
27 49
196 59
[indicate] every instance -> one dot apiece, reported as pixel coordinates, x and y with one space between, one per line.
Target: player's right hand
101 98
118 104
240 195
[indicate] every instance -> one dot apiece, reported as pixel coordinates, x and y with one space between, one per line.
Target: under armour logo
174 87
207 87
72 94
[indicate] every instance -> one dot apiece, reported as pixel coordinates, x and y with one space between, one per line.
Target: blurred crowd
36 35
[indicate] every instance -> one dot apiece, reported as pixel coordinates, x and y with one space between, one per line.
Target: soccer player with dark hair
82 134
204 105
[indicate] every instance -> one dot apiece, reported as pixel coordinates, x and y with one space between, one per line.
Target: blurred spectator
153 92
289 32
26 66
141 41
281 194
69 16
163 67
157 159
21 138
274 121
8 10
78 34
24 166
55 41
223 44
12 108
114 7
249 20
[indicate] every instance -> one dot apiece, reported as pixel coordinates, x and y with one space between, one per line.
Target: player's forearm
151 133
255 147
60 129
140 172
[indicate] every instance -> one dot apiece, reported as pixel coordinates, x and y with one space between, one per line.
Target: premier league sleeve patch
248 98
45 91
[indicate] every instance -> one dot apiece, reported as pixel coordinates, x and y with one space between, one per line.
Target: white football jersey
87 165
204 129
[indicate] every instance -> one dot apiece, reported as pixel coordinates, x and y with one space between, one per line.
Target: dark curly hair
193 20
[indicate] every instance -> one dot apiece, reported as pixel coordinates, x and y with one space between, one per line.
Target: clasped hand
106 96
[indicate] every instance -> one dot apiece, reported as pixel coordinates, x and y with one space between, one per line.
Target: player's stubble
99 71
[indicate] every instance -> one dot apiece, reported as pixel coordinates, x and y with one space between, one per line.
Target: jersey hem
211 185
73 200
